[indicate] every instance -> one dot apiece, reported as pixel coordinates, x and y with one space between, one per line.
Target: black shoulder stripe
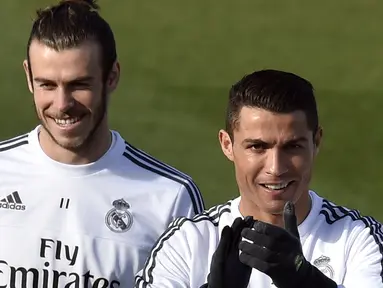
143 153
161 169
169 169
212 215
12 140
334 213
331 214
13 143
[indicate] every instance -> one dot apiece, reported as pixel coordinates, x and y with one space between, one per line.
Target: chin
273 207
275 210
70 143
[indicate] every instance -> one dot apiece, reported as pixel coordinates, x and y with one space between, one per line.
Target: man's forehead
249 116
88 50
259 123
64 64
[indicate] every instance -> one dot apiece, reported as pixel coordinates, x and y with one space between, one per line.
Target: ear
226 144
29 80
318 140
113 78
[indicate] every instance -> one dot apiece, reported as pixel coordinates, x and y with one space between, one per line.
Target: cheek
88 99
247 165
42 100
302 164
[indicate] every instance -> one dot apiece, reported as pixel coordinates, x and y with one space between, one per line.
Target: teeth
276 186
69 121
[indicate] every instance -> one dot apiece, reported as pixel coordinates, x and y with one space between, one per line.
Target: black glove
277 252
226 271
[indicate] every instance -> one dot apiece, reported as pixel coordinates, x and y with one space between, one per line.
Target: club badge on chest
119 219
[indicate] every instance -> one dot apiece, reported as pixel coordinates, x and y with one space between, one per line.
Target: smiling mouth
277 186
67 121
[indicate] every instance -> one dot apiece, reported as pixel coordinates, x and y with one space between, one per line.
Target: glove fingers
290 219
266 241
237 228
254 236
275 232
260 252
256 263
223 247
226 238
237 224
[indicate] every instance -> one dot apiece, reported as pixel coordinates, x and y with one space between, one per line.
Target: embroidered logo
322 263
119 219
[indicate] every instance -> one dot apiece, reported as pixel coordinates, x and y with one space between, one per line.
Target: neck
89 152
302 209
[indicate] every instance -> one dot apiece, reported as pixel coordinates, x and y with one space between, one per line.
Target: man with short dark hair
80 206
278 232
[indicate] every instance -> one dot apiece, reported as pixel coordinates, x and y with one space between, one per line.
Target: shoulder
151 164
209 219
15 156
184 241
201 226
163 174
337 214
13 143
352 222
14 149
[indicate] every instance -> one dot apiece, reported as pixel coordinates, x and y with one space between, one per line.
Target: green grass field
179 59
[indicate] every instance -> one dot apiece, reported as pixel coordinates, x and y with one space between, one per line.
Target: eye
294 146
47 86
258 148
80 86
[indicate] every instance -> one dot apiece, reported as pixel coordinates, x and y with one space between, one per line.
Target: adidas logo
12 202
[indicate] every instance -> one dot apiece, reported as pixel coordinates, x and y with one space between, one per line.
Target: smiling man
80 206
278 232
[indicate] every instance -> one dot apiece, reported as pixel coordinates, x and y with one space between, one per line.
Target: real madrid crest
322 263
119 219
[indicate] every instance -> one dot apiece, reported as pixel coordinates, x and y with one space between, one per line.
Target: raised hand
277 252
226 270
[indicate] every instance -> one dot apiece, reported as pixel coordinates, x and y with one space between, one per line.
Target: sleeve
166 266
364 264
189 201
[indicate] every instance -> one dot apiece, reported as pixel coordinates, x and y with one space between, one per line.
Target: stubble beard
86 142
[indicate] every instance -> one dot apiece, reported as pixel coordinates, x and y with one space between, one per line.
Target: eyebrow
79 79
260 141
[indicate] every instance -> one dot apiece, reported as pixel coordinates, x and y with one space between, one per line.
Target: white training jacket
81 226
344 245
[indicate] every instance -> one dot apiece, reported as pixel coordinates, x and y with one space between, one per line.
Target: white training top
84 225
340 242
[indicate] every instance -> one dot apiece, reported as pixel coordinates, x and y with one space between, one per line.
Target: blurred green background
179 59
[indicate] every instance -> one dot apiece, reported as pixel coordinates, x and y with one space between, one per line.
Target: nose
277 164
63 100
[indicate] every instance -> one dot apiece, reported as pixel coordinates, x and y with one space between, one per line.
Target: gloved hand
277 252
226 271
